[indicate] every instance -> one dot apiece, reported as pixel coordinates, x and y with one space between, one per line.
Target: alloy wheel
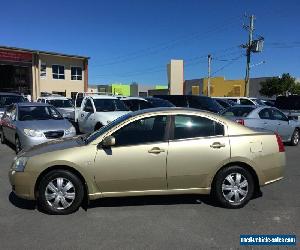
296 137
60 193
235 188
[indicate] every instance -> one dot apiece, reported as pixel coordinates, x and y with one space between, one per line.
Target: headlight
33 133
69 131
19 164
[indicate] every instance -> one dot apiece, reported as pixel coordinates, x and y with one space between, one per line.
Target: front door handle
156 150
217 145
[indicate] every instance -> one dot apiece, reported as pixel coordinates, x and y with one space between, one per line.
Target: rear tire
295 138
233 187
60 192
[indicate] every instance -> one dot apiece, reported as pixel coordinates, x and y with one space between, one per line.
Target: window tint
58 72
195 126
277 115
61 103
142 131
28 113
157 102
134 105
6 100
109 105
288 102
265 114
177 100
238 111
88 106
246 102
205 103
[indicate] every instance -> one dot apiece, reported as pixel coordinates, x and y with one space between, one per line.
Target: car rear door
284 129
197 147
137 162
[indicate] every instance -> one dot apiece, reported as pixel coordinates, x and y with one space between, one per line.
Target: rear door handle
217 145
156 150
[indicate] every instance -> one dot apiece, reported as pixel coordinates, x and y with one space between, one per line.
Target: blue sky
133 40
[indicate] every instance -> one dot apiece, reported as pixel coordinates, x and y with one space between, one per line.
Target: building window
76 73
43 72
58 72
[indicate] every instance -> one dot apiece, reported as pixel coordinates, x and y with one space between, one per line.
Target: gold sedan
151 152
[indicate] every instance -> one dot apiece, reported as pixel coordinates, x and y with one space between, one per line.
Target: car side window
13 114
277 115
143 131
196 126
88 107
246 102
265 114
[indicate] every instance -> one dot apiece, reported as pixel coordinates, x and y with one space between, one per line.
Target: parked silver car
29 124
268 118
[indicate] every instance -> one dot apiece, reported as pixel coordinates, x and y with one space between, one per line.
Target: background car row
44 120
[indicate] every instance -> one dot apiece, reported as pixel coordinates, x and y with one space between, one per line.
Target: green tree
279 86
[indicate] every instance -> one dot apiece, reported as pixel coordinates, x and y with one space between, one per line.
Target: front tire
60 192
233 187
295 138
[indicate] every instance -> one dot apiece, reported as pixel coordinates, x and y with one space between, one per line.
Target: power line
163 46
227 65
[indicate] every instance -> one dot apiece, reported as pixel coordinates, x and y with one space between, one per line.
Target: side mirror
108 141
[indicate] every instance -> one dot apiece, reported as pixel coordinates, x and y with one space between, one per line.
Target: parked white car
242 100
61 103
97 111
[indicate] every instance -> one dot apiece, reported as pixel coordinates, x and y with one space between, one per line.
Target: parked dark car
289 105
225 103
7 99
192 101
139 103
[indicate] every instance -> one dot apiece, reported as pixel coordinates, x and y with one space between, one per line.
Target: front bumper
23 184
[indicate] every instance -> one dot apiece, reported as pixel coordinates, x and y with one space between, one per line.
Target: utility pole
248 53
209 70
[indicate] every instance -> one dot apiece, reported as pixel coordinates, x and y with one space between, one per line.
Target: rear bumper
275 170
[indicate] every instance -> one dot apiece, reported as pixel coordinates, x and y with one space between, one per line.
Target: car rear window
238 111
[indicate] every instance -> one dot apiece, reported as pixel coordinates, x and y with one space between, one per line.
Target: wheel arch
63 167
245 166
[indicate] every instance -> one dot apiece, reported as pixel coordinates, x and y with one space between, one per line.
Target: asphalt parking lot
174 222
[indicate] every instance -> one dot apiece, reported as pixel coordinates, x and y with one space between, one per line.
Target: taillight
280 143
240 121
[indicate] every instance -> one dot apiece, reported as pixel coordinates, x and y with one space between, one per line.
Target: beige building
35 72
175 77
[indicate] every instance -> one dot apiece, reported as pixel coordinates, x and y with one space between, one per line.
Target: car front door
197 146
284 129
137 161
85 116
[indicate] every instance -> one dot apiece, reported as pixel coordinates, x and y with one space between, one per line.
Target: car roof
30 104
53 97
132 98
102 97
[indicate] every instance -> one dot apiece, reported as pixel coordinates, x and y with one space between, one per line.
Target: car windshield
109 105
210 104
238 111
61 103
91 137
28 113
6 100
156 102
